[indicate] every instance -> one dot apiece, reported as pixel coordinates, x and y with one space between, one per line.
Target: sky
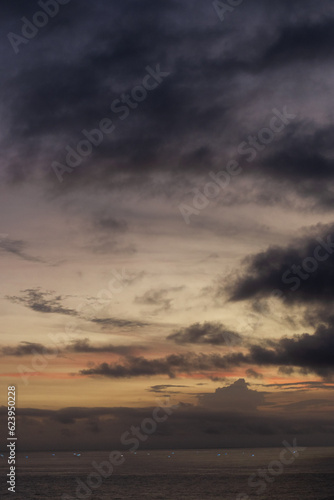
167 233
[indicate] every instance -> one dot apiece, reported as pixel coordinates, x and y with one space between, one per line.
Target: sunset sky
133 276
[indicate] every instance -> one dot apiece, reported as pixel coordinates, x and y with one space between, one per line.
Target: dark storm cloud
65 97
183 125
17 248
206 333
310 353
305 42
303 272
308 42
44 302
303 158
14 11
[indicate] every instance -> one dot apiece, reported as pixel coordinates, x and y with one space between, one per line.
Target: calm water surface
176 475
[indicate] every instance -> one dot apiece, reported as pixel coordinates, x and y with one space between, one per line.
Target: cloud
253 374
301 385
207 333
303 42
48 303
85 346
162 388
308 405
26 349
310 353
17 247
303 158
302 272
81 346
118 323
108 59
170 365
44 302
236 397
158 298
225 79
110 224
233 416
106 244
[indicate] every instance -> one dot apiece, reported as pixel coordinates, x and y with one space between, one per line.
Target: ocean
176 475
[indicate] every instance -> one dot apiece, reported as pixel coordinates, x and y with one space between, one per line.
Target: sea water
176 475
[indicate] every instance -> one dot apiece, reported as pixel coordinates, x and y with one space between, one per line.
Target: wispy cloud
81 346
118 323
157 389
43 302
18 248
159 298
